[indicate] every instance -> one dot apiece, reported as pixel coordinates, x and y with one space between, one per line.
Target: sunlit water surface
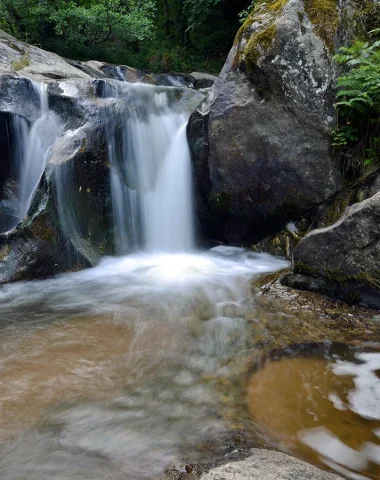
105 373
115 372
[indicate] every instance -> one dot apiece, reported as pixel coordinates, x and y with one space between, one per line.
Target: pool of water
112 371
323 407
126 369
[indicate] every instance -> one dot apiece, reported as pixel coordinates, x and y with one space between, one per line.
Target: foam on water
219 274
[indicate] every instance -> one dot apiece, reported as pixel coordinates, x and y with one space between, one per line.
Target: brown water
320 410
123 370
113 372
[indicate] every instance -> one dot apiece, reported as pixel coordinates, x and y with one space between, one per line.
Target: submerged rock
342 260
260 141
268 465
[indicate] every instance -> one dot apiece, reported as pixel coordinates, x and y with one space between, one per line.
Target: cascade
151 169
32 151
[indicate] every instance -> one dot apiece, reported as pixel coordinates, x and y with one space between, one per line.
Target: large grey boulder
343 259
268 465
18 57
260 141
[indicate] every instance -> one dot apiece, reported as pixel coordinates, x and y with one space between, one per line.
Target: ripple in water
107 372
325 410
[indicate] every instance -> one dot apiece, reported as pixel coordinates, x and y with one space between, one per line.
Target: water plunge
151 170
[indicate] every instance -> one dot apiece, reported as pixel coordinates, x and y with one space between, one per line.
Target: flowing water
151 169
32 151
110 370
121 370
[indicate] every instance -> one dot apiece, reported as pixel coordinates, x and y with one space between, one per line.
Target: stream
156 357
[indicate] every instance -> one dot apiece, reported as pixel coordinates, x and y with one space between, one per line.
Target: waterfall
42 134
151 169
31 151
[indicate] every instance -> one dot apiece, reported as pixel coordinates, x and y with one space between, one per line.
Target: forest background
156 35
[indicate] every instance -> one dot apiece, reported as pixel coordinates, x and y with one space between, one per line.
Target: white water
151 176
33 149
151 327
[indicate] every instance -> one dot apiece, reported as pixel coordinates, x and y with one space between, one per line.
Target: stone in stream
268 465
342 260
260 141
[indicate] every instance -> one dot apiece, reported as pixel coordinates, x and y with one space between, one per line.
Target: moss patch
336 210
21 63
324 15
304 269
257 43
337 276
262 39
4 252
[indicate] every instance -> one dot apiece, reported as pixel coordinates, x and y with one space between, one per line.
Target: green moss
335 275
41 229
324 15
336 209
258 42
83 147
277 5
367 279
264 37
21 63
305 269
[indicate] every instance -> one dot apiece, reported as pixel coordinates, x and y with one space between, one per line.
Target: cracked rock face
260 141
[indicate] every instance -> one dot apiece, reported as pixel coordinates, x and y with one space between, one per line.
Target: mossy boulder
261 138
342 260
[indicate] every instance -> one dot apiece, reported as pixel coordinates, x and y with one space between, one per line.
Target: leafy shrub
357 137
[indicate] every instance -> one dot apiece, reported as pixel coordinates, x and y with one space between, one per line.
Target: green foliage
103 21
197 11
243 15
156 35
357 137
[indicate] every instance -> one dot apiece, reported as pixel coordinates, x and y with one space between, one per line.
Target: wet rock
36 248
260 141
69 225
203 80
342 260
268 465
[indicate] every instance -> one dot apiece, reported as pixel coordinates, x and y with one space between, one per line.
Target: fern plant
358 104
